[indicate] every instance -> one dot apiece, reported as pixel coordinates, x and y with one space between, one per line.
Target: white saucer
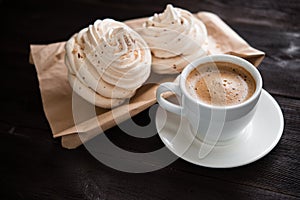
260 138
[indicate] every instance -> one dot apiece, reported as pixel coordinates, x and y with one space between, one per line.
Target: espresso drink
220 84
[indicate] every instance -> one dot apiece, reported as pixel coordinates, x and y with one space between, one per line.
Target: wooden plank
55 173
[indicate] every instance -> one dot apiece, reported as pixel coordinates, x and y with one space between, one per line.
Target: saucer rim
267 150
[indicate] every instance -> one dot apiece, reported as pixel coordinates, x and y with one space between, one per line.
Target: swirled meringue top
111 54
174 32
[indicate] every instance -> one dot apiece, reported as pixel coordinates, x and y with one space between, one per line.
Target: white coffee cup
212 124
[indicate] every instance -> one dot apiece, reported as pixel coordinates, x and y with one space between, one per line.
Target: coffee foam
221 84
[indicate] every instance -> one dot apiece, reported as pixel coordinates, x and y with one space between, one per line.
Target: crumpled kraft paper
57 94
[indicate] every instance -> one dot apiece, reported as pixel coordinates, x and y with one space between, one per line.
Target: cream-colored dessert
176 38
107 62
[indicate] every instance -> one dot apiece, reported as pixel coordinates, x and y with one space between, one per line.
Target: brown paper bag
57 94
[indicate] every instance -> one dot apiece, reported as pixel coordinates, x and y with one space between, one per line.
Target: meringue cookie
109 60
175 37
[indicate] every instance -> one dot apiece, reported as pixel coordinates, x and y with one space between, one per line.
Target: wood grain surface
35 166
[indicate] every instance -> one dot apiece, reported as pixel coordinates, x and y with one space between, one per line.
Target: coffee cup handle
167 105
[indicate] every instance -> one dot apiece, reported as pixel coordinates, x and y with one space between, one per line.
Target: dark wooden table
35 166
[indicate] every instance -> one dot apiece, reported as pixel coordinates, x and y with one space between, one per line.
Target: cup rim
222 58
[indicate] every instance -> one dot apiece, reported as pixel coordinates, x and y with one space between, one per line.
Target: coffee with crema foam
220 84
